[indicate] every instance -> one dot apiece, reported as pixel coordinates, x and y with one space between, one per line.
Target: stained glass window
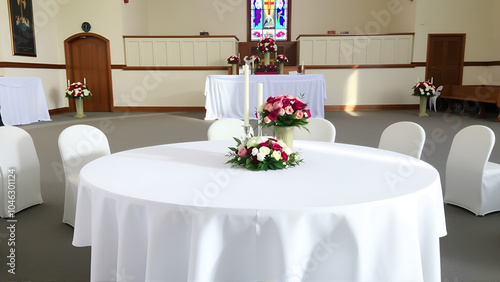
269 18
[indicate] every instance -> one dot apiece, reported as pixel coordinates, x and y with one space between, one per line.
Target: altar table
177 212
22 100
225 93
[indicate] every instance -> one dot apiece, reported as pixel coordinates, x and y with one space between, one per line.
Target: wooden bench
474 93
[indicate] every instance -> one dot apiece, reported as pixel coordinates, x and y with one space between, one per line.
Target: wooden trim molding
179 68
19 65
391 66
181 36
333 35
352 108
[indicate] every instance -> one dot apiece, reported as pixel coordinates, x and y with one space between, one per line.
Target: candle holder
259 126
247 131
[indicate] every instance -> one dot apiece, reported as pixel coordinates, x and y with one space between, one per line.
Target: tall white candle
302 67
68 83
260 96
246 105
84 81
432 80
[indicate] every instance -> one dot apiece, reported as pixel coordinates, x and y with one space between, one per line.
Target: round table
177 212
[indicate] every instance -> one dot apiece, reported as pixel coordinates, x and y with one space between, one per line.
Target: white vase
423 107
284 133
267 58
79 108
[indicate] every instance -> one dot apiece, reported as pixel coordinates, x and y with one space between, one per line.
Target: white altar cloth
178 213
225 93
22 100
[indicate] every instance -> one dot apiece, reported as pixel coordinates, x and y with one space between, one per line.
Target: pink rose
268 107
307 114
243 152
267 120
299 114
277 105
286 103
281 112
289 110
298 105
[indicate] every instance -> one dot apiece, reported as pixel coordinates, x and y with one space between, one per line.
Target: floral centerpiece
266 69
234 61
284 112
78 90
262 153
281 59
423 90
267 46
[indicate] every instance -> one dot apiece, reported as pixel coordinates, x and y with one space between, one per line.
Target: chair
404 137
319 130
226 129
472 182
78 145
19 172
433 99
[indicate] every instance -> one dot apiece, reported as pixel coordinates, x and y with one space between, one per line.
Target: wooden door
88 58
445 58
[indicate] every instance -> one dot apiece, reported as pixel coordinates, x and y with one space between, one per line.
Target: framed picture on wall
22 27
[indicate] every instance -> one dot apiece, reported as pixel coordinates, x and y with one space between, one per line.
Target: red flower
276 147
273 116
264 144
284 156
298 105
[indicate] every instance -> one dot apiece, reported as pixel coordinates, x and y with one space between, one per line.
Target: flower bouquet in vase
424 90
267 46
262 153
234 61
284 112
78 91
281 60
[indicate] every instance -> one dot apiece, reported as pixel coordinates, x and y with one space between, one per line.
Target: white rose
261 157
276 155
264 150
255 151
252 142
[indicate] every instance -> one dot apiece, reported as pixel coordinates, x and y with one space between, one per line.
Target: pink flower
299 114
289 110
243 152
298 105
277 105
267 120
307 113
268 107
281 112
286 102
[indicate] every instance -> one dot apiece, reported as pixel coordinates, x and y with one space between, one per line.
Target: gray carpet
470 251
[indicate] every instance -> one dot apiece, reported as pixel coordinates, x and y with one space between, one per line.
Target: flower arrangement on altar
262 153
424 88
233 59
281 59
267 68
284 110
78 90
267 45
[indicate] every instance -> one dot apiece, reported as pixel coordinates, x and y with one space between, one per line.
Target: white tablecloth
22 100
225 93
179 213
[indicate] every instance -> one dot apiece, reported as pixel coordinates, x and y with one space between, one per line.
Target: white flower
276 155
265 150
252 142
255 151
261 157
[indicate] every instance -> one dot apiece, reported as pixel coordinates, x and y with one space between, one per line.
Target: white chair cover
319 130
226 129
19 171
403 137
472 182
433 99
78 145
